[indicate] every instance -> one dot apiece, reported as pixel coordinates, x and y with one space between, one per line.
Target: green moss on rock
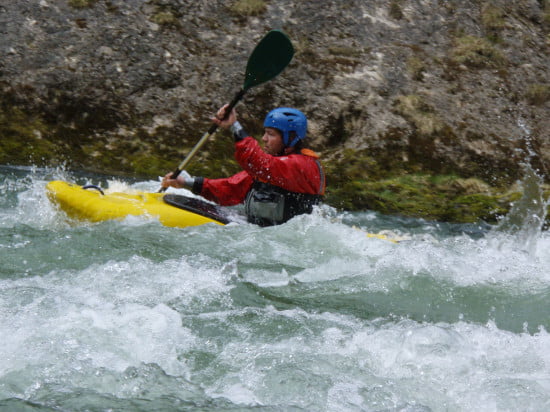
80 4
395 10
248 7
493 20
545 5
418 112
416 67
23 138
538 94
147 164
165 15
430 197
477 53
356 181
164 18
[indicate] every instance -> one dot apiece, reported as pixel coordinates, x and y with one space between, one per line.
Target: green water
312 315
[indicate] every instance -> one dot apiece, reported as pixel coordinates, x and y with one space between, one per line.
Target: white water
310 315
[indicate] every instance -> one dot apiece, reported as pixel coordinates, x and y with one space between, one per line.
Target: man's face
273 141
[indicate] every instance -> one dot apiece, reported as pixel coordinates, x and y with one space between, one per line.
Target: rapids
310 315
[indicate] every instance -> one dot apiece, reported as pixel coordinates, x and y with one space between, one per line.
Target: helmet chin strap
287 150
291 139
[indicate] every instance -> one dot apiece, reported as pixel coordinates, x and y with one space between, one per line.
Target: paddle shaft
205 137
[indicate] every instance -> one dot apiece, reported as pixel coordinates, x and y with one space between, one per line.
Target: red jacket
300 173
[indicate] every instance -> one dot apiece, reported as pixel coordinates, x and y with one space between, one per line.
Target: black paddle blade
268 59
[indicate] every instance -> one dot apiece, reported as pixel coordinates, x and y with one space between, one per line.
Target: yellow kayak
92 204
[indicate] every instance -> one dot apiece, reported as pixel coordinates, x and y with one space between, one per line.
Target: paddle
269 58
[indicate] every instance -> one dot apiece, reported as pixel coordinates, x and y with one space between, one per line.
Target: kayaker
278 182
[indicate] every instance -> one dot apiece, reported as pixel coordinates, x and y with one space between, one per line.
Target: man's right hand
226 124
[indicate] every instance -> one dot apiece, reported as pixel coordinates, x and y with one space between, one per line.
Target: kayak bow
95 206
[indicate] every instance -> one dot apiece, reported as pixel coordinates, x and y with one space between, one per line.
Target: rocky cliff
423 107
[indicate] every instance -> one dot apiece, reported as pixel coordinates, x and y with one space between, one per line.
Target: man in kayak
278 182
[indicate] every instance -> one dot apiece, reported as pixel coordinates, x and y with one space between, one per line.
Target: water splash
525 220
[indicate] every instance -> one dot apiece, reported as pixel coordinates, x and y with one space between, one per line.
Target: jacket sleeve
295 172
227 191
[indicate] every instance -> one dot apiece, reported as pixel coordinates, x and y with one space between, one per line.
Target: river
312 315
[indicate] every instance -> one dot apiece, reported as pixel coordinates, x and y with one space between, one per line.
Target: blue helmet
288 120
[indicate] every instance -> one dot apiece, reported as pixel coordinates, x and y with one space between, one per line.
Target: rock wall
398 87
